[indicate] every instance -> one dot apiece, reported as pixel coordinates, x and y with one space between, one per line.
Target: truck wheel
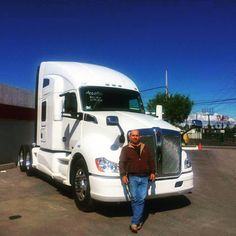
21 159
28 161
81 187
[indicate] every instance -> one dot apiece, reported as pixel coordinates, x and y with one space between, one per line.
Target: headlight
187 163
106 166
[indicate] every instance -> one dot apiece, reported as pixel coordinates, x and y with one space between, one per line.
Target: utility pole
208 112
167 93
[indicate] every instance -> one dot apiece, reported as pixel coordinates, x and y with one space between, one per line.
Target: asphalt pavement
38 206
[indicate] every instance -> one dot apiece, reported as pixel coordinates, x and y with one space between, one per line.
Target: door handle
63 139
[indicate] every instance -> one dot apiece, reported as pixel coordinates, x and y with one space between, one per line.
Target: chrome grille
165 147
170 155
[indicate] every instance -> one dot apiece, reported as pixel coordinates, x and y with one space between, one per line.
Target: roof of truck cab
84 74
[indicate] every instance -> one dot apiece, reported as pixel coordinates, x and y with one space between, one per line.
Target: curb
219 147
7 166
190 147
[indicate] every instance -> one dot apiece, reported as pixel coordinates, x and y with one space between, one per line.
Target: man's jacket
132 163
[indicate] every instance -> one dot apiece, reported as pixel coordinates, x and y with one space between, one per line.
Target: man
136 167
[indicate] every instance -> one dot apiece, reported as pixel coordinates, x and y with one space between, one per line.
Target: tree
176 107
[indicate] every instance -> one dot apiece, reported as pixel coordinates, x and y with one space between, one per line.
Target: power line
145 90
216 101
227 90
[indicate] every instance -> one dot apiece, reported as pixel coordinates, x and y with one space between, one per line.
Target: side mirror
112 120
196 124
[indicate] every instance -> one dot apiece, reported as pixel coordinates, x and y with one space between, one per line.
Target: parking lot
37 206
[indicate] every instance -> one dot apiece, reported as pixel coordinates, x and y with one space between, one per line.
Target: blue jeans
138 186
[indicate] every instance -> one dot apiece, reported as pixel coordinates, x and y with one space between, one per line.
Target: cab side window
45 82
70 104
44 109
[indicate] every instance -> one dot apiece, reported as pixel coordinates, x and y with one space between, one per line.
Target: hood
131 120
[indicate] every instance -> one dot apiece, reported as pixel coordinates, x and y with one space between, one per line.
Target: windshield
110 99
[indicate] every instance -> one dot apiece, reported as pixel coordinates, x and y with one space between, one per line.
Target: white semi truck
84 113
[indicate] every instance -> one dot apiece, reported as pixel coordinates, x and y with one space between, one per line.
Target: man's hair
131 131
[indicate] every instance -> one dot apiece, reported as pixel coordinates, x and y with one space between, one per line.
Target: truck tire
21 159
81 187
28 161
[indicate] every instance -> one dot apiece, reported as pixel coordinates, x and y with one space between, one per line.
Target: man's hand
125 179
152 177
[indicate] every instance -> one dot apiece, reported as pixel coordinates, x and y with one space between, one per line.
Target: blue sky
194 40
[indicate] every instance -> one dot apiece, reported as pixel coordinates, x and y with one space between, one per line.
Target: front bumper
110 189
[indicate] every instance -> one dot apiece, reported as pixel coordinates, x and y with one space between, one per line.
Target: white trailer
84 115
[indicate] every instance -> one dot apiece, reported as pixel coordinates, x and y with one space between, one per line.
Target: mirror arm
122 136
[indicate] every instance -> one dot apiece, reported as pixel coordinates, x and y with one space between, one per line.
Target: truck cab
84 115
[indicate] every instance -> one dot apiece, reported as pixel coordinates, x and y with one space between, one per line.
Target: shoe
139 226
134 228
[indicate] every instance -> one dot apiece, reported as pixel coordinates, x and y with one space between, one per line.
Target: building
16 121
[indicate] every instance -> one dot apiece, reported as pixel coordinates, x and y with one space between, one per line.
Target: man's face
134 137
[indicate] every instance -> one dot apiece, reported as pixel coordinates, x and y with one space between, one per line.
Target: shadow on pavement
152 206
167 203
61 188
123 208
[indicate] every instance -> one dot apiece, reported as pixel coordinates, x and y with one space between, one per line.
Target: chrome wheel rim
27 160
20 159
81 184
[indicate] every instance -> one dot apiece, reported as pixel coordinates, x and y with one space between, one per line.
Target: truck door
44 114
70 130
